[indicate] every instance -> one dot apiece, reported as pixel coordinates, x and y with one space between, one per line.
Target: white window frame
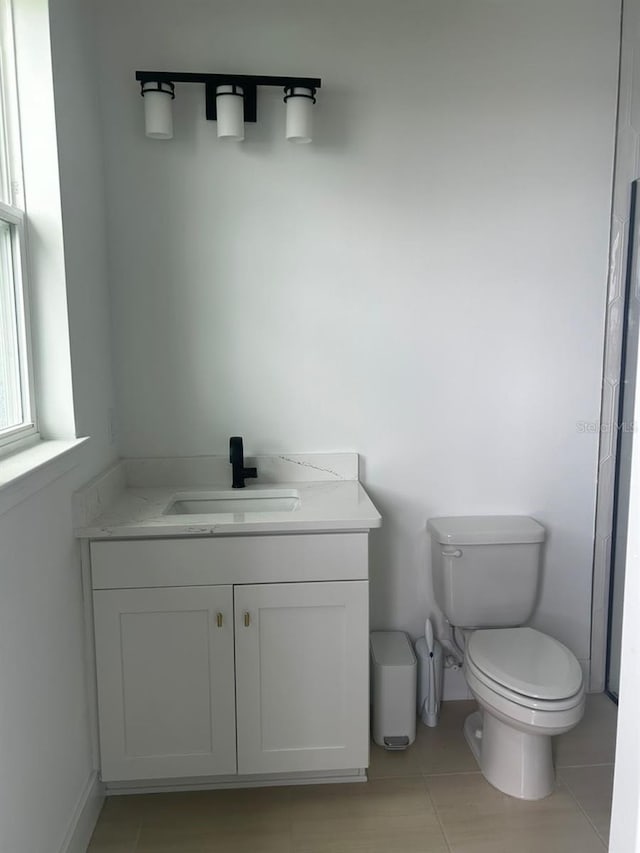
12 212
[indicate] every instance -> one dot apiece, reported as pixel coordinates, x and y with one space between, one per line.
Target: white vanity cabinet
164 662
238 655
302 683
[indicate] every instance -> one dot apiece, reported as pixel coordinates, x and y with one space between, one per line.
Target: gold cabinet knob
219 620
247 619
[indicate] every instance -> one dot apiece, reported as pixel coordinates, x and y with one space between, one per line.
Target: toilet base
515 762
473 734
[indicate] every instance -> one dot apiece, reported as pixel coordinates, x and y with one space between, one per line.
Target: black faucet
236 457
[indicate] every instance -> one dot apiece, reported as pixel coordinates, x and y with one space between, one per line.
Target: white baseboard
84 817
215 783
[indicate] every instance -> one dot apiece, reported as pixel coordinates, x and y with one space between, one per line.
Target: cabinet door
166 693
302 676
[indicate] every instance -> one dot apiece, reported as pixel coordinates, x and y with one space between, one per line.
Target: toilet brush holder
430 674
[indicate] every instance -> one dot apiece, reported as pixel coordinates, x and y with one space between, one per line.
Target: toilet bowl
529 687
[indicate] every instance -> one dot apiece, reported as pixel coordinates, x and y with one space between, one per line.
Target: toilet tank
486 568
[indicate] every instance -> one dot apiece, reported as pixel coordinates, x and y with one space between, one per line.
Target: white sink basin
208 503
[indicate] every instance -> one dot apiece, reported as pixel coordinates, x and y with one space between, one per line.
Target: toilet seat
526 667
527 702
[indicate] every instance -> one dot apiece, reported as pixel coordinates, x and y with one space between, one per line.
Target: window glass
11 409
16 418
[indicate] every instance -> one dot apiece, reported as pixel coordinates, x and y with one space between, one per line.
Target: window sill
28 471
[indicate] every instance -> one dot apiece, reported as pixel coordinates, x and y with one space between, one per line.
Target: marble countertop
140 511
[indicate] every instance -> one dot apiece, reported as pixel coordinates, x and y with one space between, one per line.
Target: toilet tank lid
486 530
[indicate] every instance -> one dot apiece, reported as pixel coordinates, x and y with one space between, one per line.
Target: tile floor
430 799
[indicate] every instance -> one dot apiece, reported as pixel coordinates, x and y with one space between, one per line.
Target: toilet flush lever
455 552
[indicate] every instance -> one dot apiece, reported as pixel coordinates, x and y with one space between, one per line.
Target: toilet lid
526 661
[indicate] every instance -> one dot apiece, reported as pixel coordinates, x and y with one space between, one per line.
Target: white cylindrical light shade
299 102
230 113
158 115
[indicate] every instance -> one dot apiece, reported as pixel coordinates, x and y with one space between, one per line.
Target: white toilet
528 685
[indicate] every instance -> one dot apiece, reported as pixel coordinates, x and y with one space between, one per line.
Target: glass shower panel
624 444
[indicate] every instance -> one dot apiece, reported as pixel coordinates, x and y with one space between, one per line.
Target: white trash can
393 683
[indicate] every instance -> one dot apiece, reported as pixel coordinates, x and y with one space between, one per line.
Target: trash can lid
391 648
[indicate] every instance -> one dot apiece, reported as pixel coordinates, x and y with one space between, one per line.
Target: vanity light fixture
230 110
158 118
230 99
299 101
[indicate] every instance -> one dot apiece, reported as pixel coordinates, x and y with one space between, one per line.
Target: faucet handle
235 442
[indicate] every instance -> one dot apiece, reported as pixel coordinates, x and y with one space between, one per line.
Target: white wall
44 729
424 284
625 819
82 194
47 766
